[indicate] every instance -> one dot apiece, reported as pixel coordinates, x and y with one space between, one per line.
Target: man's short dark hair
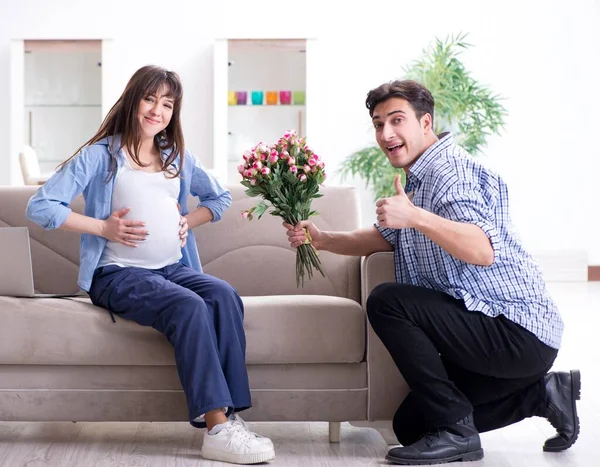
417 95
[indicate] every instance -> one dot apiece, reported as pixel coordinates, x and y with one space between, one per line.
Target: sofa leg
335 432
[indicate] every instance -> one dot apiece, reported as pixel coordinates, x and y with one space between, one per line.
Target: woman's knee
225 289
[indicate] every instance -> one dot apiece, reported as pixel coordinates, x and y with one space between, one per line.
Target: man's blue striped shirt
448 182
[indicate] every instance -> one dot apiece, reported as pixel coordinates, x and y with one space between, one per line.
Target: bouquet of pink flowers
287 174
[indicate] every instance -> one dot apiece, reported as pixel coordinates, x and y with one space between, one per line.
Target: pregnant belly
162 245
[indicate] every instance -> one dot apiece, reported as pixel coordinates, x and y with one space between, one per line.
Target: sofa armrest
387 388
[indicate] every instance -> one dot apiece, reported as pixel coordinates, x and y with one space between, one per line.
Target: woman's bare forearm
83 224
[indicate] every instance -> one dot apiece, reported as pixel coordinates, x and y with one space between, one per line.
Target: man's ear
426 122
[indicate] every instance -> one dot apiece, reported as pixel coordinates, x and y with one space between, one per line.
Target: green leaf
254 191
260 209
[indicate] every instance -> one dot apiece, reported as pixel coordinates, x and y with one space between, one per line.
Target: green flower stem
306 259
306 256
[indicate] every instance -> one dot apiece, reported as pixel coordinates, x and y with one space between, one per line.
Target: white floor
306 444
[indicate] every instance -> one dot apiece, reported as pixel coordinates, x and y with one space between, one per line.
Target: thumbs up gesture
396 212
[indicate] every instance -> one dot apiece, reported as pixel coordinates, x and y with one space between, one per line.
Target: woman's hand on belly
126 231
183 231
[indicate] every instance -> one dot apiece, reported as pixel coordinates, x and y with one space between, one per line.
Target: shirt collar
419 168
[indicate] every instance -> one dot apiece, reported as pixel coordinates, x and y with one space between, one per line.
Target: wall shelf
284 106
41 106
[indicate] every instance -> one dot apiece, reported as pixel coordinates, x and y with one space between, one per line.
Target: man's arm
464 240
360 242
467 242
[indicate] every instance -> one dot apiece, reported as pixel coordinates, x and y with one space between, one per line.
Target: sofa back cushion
254 256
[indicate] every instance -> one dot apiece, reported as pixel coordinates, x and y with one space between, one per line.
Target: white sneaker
237 420
237 445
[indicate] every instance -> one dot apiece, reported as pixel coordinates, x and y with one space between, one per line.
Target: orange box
272 97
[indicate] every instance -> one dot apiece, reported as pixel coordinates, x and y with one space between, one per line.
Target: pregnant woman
136 262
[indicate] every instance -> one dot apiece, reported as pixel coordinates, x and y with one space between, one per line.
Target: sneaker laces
239 435
239 421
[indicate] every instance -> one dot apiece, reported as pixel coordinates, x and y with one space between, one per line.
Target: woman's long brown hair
122 118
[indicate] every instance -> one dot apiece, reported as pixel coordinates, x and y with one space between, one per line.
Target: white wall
541 55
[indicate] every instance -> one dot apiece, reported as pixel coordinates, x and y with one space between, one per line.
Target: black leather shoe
562 390
458 442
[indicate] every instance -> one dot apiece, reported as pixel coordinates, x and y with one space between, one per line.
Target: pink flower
245 214
303 178
241 168
285 155
291 161
293 169
257 165
321 164
312 161
265 171
252 181
274 158
306 168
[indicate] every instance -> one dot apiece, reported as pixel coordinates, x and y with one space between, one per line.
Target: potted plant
462 105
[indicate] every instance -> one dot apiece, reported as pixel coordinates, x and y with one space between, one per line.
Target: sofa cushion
279 329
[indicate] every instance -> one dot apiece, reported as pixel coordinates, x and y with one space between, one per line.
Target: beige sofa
311 355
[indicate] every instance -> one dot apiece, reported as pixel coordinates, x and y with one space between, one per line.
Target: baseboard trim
593 273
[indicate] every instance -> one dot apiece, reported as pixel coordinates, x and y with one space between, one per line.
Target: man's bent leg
414 323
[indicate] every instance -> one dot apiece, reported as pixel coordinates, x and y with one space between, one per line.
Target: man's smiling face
400 134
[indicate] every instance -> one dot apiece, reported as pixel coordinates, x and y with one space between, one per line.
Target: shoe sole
575 396
225 456
466 457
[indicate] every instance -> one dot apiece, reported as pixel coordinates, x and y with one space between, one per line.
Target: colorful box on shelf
231 97
299 97
257 97
285 97
242 96
271 97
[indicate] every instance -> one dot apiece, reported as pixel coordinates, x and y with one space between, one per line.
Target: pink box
285 97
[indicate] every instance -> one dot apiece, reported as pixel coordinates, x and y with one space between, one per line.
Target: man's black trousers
457 361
